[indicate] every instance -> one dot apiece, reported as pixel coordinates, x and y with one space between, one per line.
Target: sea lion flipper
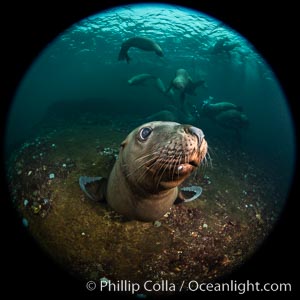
93 187
169 87
185 192
127 58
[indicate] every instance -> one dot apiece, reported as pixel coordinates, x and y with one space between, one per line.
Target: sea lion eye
144 133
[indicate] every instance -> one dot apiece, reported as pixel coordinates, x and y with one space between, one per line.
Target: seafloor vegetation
200 241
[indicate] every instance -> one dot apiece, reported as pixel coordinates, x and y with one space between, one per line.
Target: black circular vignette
28 28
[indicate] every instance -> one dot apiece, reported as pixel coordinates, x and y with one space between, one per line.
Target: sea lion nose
197 132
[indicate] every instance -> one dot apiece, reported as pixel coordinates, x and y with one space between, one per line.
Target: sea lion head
162 155
181 79
179 83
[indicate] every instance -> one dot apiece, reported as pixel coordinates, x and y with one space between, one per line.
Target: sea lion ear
123 144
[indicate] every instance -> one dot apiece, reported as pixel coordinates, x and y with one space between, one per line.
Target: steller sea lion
141 43
224 46
153 161
184 83
160 85
140 79
232 119
213 109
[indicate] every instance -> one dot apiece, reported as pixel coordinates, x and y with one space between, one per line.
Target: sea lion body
232 119
160 85
153 161
140 79
184 83
213 109
134 200
224 46
142 43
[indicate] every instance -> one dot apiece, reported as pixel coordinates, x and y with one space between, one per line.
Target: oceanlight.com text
191 286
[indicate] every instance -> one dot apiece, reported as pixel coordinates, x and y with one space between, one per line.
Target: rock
25 222
141 296
46 201
36 208
157 224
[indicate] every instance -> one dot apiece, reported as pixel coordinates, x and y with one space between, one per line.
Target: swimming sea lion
223 46
184 83
160 85
213 109
232 119
162 89
140 79
141 43
153 161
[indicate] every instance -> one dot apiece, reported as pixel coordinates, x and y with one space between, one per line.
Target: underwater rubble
201 240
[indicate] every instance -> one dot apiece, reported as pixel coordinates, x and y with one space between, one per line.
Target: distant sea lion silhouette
213 109
140 79
223 46
153 161
184 83
142 43
232 119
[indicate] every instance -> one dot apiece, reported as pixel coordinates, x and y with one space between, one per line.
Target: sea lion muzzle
198 133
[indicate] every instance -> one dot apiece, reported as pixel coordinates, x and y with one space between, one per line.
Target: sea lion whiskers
140 166
209 153
158 160
166 163
174 169
207 160
147 155
152 165
147 168
172 158
176 165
